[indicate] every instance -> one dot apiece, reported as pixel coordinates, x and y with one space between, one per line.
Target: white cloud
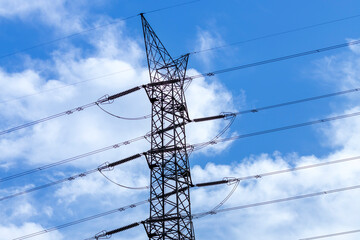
207 40
207 99
341 71
55 13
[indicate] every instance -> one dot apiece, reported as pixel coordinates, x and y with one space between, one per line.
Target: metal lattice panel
170 211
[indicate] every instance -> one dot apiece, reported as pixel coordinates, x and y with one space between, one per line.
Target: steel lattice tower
170 211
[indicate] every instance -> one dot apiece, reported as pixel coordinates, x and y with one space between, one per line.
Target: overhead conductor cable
93 28
213 183
108 234
188 79
200 145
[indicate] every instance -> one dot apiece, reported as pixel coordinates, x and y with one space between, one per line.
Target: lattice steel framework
170 211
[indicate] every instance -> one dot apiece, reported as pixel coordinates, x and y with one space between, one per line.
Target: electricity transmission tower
170 210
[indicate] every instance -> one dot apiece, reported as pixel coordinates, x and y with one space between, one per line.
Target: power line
106 166
104 100
200 145
300 168
272 173
198 215
278 129
65 37
224 181
278 59
195 146
49 184
113 164
280 200
276 34
68 112
67 160
173 6
253 110
209 74
92 29
51 229
64 86
108 147
332 235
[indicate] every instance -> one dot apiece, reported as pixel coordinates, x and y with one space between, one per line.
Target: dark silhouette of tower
170 210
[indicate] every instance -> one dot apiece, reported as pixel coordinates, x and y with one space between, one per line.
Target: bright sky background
44 80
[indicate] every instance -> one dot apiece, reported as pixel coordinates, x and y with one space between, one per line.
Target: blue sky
112 58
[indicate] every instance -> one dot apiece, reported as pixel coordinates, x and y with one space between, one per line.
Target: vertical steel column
170 214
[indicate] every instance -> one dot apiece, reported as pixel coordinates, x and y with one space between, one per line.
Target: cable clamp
102 235
104 100
105 167
148 137
212 212
228 115
231 180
